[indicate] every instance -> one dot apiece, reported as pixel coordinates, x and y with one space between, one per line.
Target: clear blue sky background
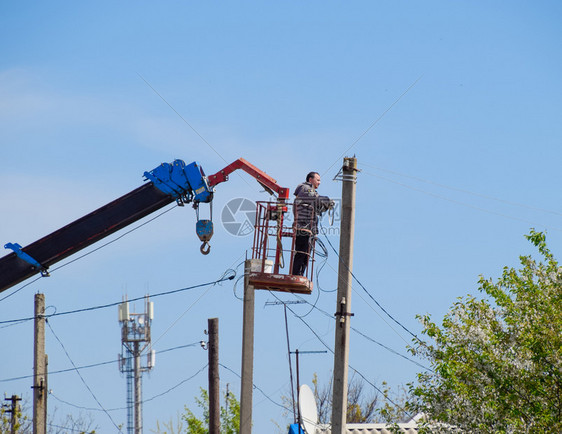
452 108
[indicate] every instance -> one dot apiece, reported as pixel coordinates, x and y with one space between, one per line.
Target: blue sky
452 109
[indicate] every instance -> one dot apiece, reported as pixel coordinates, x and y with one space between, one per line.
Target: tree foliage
497 360
23 421
230 415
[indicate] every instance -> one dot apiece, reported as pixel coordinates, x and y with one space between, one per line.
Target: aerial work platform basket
273 251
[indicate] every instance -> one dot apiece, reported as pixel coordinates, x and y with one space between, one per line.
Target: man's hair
310 175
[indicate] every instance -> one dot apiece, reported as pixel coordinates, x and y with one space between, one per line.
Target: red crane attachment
274 235
263 178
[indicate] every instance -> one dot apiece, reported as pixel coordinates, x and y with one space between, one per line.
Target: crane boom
81 233
167 183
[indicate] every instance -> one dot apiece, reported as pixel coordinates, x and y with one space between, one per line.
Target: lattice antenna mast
135 340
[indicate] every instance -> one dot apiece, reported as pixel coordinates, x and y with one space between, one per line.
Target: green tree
230 415
497 360
169 427
395 405
23 421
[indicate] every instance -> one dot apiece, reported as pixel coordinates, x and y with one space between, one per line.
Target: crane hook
205 248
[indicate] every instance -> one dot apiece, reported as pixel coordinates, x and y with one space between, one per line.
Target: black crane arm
81 233
168 183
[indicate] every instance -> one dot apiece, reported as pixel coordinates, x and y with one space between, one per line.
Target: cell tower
135 340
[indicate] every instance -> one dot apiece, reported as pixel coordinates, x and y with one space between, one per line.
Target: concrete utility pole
39 368
14 413
343 307
214 380
247 354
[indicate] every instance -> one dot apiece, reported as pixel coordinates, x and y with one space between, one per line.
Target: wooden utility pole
14 413
247 354
214 380
343 306
39 368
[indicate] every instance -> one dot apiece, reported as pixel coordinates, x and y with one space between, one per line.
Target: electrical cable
95 365
90 252
391 350
115 239
142 402
52 425
368 304
177 385
190 307
370 296
80 407
16 323
507 202
375 122
374 310
369 338
262 392
190 126
323 254
290 364
257 388
477 208
355 370
312 305
82 378
234 288
228 275
20 288
238 280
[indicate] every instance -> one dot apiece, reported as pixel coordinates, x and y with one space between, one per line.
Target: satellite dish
307 407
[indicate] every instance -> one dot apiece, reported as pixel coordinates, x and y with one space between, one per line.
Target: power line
374 310
181 117
477 208
229 275
375 122
191 126
65 428
355 370
82 378
90 252
145 400
257 388
20 288
370 339
177 385
95 365
391 350
371 297
116 239
522 205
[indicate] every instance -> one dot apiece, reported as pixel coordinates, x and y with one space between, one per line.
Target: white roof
370 428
